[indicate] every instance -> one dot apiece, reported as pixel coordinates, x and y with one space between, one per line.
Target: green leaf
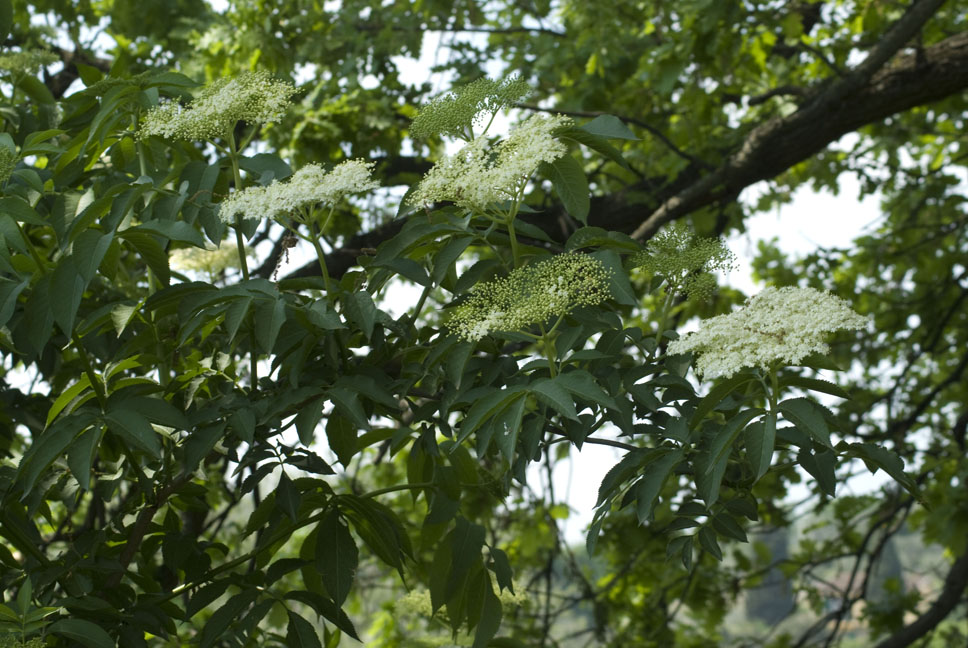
230 611
597 237
583 386
760 438
6 18
507 427
361 311
342 437
307 418
88 251
619 286
336 556
348 403
50 445
66 397
502 569
270 317
610 127
287 497
725 525
467 540
326 609
707 540
81 455
822 466
20 210
151 251
554 395
487 407
491 613
595 142
877 457
9 292
407 268
178 231
134 428
814 384
716 395
300 633
807 416
66 291
379 527
712 464
647 489
83 632
570 183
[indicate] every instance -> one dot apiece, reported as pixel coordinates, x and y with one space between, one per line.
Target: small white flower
782 325
307 187
531 295
480 174
253 97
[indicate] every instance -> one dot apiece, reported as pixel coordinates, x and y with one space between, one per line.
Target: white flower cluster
212 261
531 295
27 61
309 186
252 97
778 325
480 174
685 261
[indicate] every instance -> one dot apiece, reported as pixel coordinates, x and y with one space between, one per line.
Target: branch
632 120
781 142
954 586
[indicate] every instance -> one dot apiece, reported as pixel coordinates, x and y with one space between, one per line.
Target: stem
774 393
548 344
237 177
41 268
663 314
96 384
515 254
321 256
398 487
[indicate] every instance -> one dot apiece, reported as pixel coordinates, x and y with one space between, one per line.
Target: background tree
712 97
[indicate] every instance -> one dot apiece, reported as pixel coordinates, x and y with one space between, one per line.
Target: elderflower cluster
212 261
685 261
252 97
309 186
531 295
8 162
778 325
455 113
27 61
480 174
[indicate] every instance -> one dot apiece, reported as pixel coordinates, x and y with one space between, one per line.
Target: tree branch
954 586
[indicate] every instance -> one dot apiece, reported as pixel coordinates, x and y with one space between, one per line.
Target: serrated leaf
179 231
877 457
326 609
223 617
807 416
760 438
822 466
134 428
716 395
300 633
360 310
336 556
571 184
610 127
707 540
815 384
647 489
725 525
83 632
554 395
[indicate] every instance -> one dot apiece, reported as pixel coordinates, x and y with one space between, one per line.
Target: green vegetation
220 425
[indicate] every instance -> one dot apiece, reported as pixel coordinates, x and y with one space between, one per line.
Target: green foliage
229 453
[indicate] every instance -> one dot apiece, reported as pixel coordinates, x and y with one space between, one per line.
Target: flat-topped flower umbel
252 97
309 186
777 326
531 295
480 174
